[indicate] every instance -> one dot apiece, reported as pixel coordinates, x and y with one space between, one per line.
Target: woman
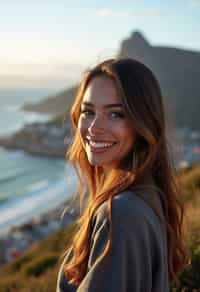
129 235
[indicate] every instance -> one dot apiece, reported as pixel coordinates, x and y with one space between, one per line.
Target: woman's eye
117 114
86 112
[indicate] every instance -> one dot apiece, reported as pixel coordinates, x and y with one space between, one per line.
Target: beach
34 192
31 185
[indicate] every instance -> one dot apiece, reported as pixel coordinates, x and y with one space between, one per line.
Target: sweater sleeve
129 264
62 282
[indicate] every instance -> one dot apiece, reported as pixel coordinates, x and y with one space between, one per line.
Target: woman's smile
99 147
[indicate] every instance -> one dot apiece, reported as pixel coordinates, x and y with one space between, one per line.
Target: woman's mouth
98 147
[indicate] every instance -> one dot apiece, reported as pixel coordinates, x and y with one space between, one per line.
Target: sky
49 43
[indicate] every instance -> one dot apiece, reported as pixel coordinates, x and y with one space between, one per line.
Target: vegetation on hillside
38 266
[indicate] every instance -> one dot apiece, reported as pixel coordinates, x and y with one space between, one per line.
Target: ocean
29 185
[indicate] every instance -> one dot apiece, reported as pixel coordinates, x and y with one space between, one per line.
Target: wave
29 186
18 210
8 197
39 185
12 177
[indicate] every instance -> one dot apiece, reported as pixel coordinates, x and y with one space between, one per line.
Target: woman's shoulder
129 208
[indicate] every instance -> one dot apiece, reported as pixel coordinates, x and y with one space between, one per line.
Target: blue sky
48 43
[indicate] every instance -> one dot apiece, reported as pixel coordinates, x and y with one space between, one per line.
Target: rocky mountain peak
137 39
136 46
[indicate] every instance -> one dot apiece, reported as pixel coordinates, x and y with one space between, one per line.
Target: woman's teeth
99 144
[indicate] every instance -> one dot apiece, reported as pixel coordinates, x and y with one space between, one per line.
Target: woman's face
106 132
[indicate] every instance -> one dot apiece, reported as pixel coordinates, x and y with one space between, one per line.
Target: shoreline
49 139
20 237
46 140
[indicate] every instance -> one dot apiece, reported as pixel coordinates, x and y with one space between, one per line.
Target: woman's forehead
103 90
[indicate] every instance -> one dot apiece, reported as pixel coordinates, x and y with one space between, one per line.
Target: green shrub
19 262
39 265
193 184
190 276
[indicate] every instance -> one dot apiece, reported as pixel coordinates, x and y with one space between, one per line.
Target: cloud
195 4
106 12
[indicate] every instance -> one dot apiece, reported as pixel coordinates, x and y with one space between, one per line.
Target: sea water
29 185
11 117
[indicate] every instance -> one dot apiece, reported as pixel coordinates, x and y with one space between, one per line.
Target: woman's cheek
82 127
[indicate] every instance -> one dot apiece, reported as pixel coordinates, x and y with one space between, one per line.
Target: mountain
177 70
56 105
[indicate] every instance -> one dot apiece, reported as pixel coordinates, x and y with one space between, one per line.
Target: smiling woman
129 236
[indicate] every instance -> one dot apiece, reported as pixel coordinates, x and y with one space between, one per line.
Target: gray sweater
137 261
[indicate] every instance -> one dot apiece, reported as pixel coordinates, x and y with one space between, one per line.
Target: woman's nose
97 126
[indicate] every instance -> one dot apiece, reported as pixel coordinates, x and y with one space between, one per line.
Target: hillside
39 265
177 70
56 105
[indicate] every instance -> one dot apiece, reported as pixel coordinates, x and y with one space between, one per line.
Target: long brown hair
142 100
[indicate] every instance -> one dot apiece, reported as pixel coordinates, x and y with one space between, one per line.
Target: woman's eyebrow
105 106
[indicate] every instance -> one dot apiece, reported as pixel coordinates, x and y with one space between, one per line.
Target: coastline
48 140
20 237
44 139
